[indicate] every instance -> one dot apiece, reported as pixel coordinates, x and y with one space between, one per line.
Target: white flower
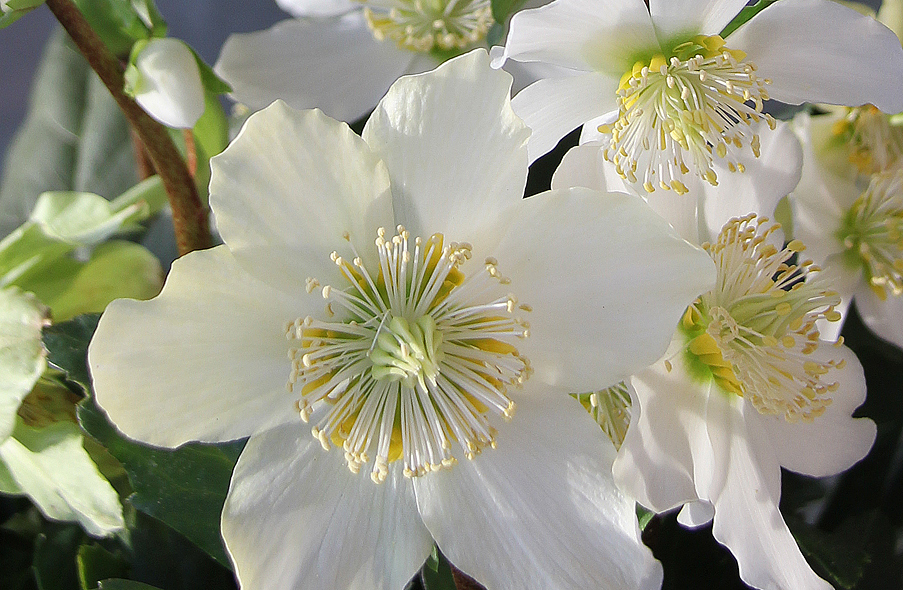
167 83
420 355
668 95
853 228
746 388
341 56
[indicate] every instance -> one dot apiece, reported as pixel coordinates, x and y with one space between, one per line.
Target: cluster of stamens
872 233
676 114
610 408
755 332
426 25
874 139
411 358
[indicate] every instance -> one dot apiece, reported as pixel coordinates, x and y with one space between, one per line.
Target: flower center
610 408
426 25
872 233
754 334
413 357
873 140
676 113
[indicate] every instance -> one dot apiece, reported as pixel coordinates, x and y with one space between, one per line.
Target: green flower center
676 113
754 334
411 358
429 25
872 233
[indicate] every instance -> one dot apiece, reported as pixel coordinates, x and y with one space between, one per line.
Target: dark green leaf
96 563
745 15
74 138
184 488
501 9
16 559
496 35
436 573
838 557
54 557
116 21
120 584
67 347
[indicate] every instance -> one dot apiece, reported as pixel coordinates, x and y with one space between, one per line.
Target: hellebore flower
668 91
470 302
342 56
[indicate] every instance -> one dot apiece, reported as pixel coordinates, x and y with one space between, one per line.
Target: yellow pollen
677 113
754 333
412 360
429 25
874 139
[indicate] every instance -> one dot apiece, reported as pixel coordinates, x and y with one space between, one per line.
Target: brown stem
189 215
142 160
463 581
191 152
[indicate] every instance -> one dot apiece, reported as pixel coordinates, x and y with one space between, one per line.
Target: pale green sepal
150 16
52 468
13 10
26 251
149 194
22 354
83 219
116 270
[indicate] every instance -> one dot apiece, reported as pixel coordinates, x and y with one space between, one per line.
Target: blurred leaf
16 9
67 347
96 563
21 352
81 218
745 16
116 270
52 468
212 130
73 138
839 557
184 488
436 573
54 557
120 584
16 560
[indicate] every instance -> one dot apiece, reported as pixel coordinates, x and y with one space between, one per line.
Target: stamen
875 142
755 332
610 408
418 356
427 25
872 233
677 114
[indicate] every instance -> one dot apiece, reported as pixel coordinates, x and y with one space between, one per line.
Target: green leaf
184 488
21 352
96 563
120 584
73 138
643 516
67 347
745 15
502 9
16 9
54 557
117 22
838 557
52 468
436 573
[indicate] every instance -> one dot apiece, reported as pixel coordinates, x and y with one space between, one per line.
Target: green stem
188 214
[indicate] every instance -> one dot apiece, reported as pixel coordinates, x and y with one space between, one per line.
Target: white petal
22 317
334 64
296 517
205 360
696 514
747 519
317 7
455 150
553 107
686 18
540 511
766 180
590 132
289 186
666 438
599 35
170 87
584 165
820 51
884 318
607 280
51 467
834 441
